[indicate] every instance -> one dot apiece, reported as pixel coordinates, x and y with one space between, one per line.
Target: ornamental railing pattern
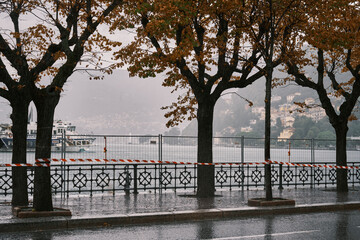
90 179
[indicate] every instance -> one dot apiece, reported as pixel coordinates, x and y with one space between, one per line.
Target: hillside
234 117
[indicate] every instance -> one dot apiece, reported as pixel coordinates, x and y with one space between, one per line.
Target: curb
39 224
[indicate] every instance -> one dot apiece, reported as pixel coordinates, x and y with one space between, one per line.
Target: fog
116 105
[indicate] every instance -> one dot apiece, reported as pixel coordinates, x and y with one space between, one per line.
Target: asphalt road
334 225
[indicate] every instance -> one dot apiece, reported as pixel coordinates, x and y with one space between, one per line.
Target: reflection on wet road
333 225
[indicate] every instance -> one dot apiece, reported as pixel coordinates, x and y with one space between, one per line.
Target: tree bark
341 174
45 101
206 174
268 187
19 117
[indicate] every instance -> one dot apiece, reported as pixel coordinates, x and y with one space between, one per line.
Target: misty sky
116 105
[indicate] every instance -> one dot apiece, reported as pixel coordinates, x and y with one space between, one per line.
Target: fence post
127 180
242 160
280 177
242 149
160 159
160 146
62 164
312 162
62 144
135 180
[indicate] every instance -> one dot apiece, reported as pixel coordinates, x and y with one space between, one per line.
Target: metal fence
89 179
80 178
178 148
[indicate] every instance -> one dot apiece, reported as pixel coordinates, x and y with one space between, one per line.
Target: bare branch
4 93
5 77
16 60
336 86
47 60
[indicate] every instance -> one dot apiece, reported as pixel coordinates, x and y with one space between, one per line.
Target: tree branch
17 61
235 58
180 63
348 63
154 42
73 57
222 42
5 76
47 60
198 51
321 68
336 86
5 94
6 79
303 81
193 81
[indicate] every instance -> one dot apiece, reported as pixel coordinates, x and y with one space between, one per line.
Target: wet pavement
172 206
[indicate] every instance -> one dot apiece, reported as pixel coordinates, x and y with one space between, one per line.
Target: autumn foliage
329 42
202 46
41 45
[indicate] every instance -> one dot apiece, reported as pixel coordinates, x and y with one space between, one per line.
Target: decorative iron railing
90 179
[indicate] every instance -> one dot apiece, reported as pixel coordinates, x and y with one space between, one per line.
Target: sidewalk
106 209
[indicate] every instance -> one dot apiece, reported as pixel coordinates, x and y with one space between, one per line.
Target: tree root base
262 202
29 212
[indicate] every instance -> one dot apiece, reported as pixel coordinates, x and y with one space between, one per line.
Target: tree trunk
341 174
45 101
268 187
19 117
206 174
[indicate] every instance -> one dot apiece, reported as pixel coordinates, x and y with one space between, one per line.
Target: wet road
335 225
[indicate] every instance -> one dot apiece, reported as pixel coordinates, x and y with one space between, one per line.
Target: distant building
291 97
316 114
276 98
309 101
287 121
259 111
246 129
253 121
354 138
285 107
287 133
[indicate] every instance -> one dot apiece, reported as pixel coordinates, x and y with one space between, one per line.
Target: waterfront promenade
105 210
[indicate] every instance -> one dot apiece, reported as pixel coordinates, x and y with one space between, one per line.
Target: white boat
64 137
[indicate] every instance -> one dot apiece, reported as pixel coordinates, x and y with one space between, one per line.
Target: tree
19 99
277 19
51 47
332 30
204 48
302 126
306 128
17 92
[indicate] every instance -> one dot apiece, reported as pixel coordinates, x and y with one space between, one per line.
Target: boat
64 137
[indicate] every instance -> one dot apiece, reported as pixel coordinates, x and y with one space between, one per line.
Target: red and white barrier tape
25 165
138 161
315 165
192 163
46 163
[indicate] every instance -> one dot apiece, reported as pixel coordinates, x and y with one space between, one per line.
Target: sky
116 105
